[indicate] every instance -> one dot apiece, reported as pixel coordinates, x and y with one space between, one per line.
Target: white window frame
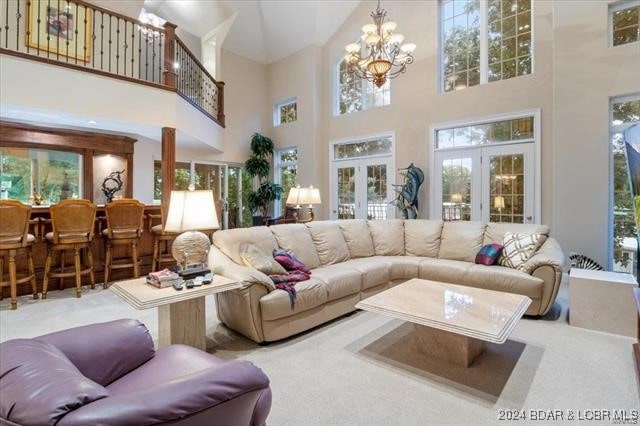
277 111
537 135
279 164
613 130
364 98
613 8
484 47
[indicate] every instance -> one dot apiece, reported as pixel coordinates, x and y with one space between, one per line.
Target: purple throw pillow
489 254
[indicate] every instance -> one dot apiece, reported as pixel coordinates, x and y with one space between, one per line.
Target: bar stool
124 227
159 236
72 222
14 238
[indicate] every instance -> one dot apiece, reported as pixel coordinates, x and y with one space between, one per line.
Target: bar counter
41 224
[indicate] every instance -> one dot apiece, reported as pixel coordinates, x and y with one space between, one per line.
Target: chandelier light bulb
396 38
353 47
369 29
389 27
408 47
372 39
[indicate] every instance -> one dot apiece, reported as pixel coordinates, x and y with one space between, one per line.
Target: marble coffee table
452 322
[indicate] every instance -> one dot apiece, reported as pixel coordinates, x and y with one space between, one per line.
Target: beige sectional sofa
354 259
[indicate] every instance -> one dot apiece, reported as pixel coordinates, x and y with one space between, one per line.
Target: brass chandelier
384 54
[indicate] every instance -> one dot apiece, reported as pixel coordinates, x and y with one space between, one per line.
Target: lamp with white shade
300 196
191 212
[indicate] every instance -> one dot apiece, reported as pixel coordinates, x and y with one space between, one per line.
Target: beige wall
575 73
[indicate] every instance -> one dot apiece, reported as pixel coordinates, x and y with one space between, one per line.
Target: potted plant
259 165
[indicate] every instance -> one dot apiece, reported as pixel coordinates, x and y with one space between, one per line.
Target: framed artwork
63 28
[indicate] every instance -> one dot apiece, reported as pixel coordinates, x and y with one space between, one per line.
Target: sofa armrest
233 393
547 263
223 265
104 352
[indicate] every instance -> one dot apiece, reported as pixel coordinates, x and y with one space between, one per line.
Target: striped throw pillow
518 248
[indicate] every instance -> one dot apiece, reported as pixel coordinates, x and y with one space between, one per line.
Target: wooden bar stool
15 238
160 256
124 227
72 224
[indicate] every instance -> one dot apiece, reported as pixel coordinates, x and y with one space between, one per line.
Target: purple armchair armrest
105 352
220 394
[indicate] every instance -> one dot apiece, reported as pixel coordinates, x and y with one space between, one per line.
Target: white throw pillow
518 248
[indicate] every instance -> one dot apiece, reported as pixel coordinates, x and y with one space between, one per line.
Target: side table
603 301
181 314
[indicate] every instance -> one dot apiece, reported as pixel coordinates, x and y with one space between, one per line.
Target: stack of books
164 278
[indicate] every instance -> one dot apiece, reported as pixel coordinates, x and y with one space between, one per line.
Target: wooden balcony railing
82 36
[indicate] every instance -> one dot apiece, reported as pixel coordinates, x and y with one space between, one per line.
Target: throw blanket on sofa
297 272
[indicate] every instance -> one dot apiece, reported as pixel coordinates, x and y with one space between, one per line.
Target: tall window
625 112
354 94
498 30
54 175
624 19
285 112
286 174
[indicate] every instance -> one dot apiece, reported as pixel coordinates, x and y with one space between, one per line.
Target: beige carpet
362 369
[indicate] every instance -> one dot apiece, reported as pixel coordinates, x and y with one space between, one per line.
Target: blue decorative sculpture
407 193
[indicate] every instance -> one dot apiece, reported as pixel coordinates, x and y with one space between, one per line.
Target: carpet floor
363 369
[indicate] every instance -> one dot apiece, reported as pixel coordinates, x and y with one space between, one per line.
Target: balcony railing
86 37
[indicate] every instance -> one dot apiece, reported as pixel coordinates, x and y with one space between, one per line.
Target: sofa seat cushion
340 280
374 272
309 294
505 279
422 237
402 267
296 237
39 385
356 235
444 270
329 242
461 240
231 241
169 363
388 237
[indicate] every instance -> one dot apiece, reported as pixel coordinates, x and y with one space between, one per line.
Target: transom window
625 112
378 146
498 30
517 129
286 174
625 22
285 112
354 94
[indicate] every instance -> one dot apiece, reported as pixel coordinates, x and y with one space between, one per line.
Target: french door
362 189
489 183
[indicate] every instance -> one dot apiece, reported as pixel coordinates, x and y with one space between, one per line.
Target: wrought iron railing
82 36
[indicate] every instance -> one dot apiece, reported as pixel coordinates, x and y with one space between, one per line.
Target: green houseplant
259 165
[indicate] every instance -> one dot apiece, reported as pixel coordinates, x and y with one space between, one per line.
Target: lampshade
352 47
389 26
191 211
498 202
309 196
294 195
379 66
408 47
396 39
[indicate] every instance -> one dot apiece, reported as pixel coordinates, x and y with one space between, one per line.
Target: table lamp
309 196
191 212
498 203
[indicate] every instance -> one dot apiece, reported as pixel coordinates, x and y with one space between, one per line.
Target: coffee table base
183 323
454 348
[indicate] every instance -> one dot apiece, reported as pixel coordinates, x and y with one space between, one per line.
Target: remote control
178 286
197 281
207 278
188 283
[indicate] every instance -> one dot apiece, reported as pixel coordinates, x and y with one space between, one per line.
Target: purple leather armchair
110 374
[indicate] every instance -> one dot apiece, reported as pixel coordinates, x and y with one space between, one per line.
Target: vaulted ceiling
264 31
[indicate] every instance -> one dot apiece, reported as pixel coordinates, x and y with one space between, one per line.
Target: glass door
509 182
362 189
457 188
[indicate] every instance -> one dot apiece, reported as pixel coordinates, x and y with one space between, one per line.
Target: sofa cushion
518 248
230 241
39 385
422 237
340 281
309 294
500 278
489 254
256 259
356 235
296 237
402 267
373 271
444 270
461 240
494 233
329 242
388 237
